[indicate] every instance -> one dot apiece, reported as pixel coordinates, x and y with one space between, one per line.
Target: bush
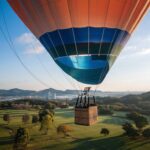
119 106
104 131
6 117
46 123
139 120
64 129
103 111
35 119
25 118
46 118
146 133
21 139
50 106
130 130
133 115
45 112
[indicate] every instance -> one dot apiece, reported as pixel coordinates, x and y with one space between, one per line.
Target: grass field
84 137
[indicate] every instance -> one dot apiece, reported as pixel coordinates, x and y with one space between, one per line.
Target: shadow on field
111 143
6 140
139 143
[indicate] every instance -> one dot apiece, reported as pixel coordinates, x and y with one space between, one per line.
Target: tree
104 110
104 131
21 139
46 118
133 115
130 130
37 107
50 106
35 119
25 118
141 122
43 113
6 117
46 123
64 129
146 133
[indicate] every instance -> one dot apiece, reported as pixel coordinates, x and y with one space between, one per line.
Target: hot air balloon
84 37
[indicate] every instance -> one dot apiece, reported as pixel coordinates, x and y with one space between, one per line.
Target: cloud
145 51
30 43
26 38
137 47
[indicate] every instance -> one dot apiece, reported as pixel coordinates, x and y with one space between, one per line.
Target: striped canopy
84 37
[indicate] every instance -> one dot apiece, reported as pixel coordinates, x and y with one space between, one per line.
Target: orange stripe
97 12
42 16
32 15
45 16
139 19
59 11
24 17
79 12
139 13
116 7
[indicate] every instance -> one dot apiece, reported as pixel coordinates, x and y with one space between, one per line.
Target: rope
12 47
49 39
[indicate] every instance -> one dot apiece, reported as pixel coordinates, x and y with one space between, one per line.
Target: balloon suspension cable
70 82
85 100
12 47
46 70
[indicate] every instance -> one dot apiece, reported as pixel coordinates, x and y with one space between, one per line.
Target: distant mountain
41 93
146 96
53 92
136 98
130 99
16 92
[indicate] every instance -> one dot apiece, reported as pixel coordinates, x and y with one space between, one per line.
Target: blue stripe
82 62
90 69
85 69
81 35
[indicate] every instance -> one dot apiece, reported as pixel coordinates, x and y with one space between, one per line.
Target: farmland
82 137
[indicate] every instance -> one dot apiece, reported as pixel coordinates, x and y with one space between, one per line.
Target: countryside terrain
81 137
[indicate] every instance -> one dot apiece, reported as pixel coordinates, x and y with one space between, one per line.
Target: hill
54 92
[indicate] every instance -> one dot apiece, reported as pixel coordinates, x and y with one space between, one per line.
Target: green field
82 137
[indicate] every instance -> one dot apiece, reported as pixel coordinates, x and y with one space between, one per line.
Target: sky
130 72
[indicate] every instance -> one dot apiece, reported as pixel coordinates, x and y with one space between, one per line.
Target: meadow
82 137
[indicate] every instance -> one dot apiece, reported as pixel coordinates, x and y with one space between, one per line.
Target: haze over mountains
51 92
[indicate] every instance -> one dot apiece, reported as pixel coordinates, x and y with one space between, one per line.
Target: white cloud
131 47
137 47
30 43
26 38
145 51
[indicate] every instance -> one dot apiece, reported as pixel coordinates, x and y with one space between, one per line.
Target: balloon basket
86 111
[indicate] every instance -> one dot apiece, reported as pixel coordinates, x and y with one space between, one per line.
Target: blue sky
130 72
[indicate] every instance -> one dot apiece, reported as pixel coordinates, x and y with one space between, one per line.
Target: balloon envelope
84 37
